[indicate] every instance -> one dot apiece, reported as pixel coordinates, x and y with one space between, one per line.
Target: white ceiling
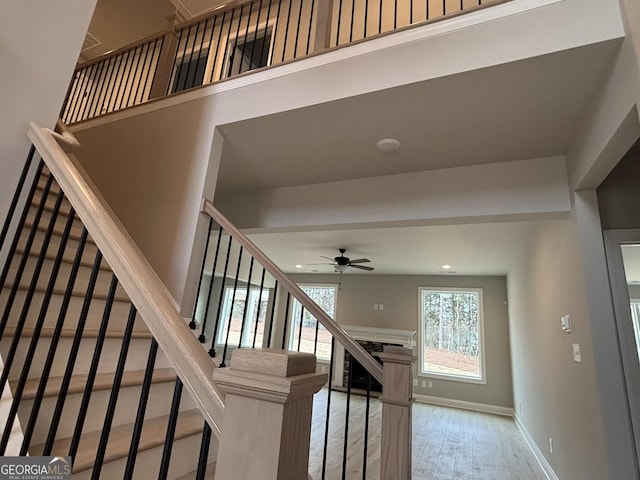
480 249
521 110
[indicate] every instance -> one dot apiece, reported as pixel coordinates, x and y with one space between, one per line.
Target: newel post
396 398
164 67
266 428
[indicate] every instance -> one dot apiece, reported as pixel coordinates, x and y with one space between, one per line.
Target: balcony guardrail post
268 402
324 14
162 77
397 399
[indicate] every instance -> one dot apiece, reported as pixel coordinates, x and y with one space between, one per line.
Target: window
249 51
254 320
451 334
303 339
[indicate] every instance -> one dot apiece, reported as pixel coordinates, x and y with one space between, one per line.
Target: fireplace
372 340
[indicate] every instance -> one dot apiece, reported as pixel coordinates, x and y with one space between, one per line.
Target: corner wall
553 395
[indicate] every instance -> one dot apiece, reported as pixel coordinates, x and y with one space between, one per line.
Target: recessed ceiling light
388 145
445 267
299 266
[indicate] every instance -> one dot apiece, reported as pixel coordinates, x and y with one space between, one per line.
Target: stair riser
184 459
80 285
128 398
117 320
136 358
61 219
70 250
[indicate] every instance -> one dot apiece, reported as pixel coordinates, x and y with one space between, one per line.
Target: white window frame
233 37
293 317
634 303
227 304
481 341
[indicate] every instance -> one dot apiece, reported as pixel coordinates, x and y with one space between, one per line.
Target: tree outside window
305 329
452 333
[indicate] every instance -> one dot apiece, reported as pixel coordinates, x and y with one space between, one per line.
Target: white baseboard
544 464
478 407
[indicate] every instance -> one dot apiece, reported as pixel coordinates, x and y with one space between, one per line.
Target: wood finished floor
448 443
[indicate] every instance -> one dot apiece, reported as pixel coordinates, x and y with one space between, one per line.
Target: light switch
565 323
375 306
381 307
577 354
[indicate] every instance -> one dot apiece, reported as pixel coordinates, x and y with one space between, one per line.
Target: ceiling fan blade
323 263
362 267
328 258
360 260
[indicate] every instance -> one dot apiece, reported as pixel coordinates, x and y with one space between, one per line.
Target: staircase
71 369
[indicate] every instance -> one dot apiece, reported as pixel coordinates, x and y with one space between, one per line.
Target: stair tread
70 332
119 297
190 423
103 381
57 230
52 256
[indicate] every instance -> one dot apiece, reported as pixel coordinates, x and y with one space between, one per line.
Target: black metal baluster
339 22
246 37
93 368
286 320
55 338
366 14
73 354
137 57
273 311
142 408
81 92
171 430
265 44
255 32
113 398
286 32
232 56
152 73
444 7
328 415
66 105
144 72
380 18
102 74
193 49
90 82
204 452
8 360
16 195
202 57
215 58
223 73
97 81
255 329
346 420
27 248
427 7
213 67
353 10
233 300
276 30
411 12
461 4
24 373
106 86
300 325
295 46
205 315
212 350
192 323
246 303
175 71
315 341
313 4
366 428
112 86
122 77
395 14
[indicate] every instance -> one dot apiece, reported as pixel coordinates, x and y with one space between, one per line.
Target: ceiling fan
341 263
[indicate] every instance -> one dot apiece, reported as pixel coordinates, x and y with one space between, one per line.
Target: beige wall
554 396
399 295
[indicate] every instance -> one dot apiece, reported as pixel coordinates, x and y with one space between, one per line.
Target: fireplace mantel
406 338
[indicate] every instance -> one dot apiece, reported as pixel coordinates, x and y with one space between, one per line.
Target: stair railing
241 36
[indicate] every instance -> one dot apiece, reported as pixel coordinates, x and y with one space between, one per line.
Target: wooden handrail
353 347
146 291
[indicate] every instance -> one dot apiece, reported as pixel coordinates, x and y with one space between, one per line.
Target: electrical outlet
550 444
415 382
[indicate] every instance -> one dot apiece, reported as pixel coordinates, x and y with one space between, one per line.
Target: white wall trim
462 404
542 461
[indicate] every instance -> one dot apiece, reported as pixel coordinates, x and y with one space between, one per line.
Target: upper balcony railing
239 38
